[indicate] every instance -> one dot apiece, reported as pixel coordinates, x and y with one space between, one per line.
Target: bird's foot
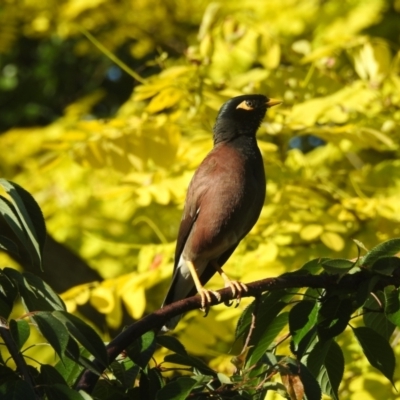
237 289
206 299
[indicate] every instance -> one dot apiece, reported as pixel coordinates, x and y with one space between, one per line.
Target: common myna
223 202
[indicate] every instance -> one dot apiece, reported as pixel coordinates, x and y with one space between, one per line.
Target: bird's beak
273 102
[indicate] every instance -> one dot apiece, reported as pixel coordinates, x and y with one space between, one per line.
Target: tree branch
348 283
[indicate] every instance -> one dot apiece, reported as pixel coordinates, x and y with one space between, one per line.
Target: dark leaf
11 217
17 390
141 351
386 265
29 214
190 362
84 334
62 392
337 266
265 302
392 305
377 350
302 318
8 245
271 330
50 376
179 389
20 331
53 330
314 266
68 368
171 343
35 293
311 386
385 249
331 373
375 318
8 294
334 315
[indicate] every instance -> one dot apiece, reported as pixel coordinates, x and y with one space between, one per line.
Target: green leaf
84 334
377 350
392 305
8 294
311 386
191 362
386 265
10 215
50 376
270 332
7 374
171 343
365 288
331 373
265 302
69 369
314 266
61 392
30 215
141 351
53 330
20 331
337 266
8 245
385 249
375 318
302 317
177 390
17 390
333 317
36 294
314 360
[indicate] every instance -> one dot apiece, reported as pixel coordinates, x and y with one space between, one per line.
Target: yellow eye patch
245 105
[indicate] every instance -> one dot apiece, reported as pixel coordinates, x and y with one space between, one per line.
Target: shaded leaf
17 390
53 330
302 317
377 350
20 331
29 213
331 373
177 390
171 343
84 334
61 392
385 249
270 333
191 362
375 318
141 351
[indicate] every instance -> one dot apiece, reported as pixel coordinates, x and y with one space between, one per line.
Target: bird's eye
246 105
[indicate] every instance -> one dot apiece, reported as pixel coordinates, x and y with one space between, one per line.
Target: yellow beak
273 102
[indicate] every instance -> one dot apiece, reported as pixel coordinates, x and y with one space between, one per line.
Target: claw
206 299
236 287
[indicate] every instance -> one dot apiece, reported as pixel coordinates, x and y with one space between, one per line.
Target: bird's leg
236 286
204 293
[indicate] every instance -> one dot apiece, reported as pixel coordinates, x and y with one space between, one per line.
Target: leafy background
107 109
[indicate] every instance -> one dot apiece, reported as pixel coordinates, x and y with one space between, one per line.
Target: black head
241 116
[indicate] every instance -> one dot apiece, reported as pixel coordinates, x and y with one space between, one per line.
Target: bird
223 202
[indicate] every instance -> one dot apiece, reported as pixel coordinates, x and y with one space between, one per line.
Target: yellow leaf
165 99
135 301
103 299
311 232
333 241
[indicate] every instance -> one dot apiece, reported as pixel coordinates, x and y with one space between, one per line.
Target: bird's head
241 116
